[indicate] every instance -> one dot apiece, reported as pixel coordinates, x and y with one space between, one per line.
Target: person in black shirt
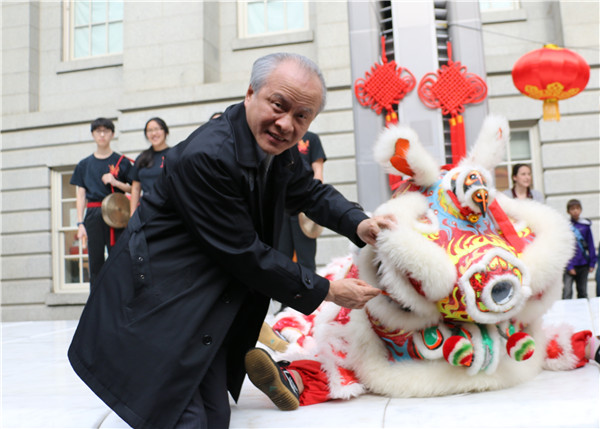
294 242
149 164
96 176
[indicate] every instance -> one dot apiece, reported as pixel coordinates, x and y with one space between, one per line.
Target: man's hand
351 293
368 229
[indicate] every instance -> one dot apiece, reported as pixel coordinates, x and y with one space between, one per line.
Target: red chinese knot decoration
384 86
449 89
551 74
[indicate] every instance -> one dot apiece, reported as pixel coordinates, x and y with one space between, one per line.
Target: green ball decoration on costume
520 346
458 351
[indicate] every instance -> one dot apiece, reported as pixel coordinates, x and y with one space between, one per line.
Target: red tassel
457 138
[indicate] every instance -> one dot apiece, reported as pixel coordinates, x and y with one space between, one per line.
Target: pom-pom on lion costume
465 277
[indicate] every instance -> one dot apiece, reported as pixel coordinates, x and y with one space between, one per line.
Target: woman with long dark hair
521 176
148 165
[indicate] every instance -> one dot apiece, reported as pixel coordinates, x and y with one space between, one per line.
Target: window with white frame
522 149
491 5
94 28
70 258
266 17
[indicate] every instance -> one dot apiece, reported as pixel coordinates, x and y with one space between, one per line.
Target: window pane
81 42
68 190
256 18
519 146
115 11
98 11
295 15
276 16
71 243
501 177
72 270
98 39
82 12
498 5
115 37
69 214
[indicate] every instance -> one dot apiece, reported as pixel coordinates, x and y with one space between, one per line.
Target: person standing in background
521 176
97 176
584 260
294 242
598 272
149 164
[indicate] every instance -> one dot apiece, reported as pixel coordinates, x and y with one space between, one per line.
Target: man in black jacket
183 296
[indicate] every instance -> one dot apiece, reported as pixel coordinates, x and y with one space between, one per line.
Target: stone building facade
182 61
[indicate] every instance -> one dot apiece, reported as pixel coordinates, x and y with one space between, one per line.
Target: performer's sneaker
272 379
272 339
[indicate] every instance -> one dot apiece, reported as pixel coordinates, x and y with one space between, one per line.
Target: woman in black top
148 165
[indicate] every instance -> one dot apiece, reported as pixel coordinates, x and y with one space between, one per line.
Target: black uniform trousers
98 239
294 240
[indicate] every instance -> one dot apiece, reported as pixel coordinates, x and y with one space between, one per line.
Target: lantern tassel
551 112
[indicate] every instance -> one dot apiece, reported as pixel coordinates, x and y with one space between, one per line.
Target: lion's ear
490 147
398 160
399 150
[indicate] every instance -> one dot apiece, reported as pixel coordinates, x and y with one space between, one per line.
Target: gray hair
263 67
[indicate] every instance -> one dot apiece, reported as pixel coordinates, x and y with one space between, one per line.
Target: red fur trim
553 349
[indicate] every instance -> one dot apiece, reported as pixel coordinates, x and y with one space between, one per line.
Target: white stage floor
40 390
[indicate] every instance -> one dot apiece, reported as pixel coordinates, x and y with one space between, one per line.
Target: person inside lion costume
466 277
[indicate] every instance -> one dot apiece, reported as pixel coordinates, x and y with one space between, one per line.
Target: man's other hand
368 229
351 293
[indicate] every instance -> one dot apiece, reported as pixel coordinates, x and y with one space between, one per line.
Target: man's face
280 113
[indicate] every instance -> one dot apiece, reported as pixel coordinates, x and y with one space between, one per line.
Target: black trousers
209 407
98 239
293 239
580 278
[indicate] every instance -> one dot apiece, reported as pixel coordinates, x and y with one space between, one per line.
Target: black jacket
195 268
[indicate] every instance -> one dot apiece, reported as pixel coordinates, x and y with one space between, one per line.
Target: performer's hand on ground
368 229
351 293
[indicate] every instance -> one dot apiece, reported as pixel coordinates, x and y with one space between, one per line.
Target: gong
115 210
309 227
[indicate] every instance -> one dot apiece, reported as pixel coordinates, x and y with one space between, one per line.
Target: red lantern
551 74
